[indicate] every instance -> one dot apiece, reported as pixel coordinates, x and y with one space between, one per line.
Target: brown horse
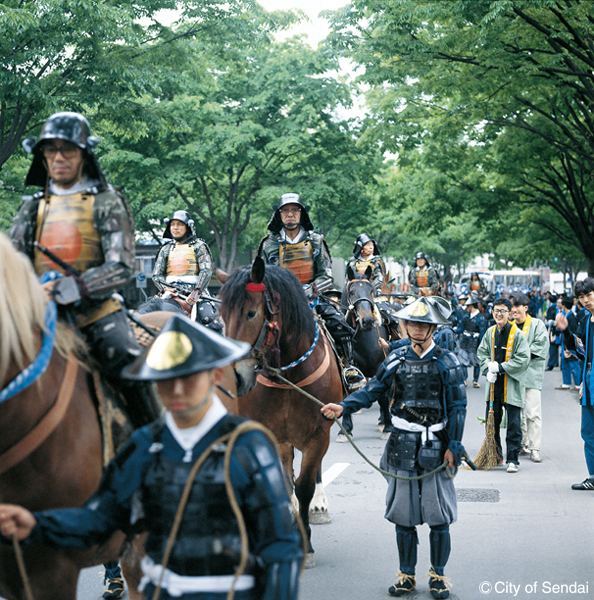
51 443
266 307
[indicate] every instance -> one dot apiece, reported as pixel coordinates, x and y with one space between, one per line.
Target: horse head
249 313
360 297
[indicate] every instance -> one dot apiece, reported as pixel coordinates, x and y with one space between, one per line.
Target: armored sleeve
107 510
412 280
204 261
378 274
322 264
268 250
160 268
433 280
22 230
116 226
273 536
377 386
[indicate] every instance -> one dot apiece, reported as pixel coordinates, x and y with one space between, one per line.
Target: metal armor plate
422 278
181 262
208 541
65 225
298 258
418 392
361 265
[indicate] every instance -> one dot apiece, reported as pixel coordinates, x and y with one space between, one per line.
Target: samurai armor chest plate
298 258
208 541
422 277
418 392
65 226
361 265
181 261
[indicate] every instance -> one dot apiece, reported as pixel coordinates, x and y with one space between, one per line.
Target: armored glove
491 377
493 367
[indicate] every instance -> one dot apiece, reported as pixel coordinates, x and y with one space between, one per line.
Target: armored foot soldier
423 279
87 224
184 260
293 244
142 487
470 331
428 410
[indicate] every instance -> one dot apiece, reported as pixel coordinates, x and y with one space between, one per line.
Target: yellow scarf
508 351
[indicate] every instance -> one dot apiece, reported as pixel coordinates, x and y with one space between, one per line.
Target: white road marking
333 472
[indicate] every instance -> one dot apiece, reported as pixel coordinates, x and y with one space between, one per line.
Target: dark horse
51 451
364 316
266 307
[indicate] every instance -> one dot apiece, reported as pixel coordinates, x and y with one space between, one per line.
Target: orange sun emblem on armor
64 240
179 265
302 271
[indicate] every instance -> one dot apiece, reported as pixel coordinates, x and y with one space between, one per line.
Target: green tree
259 122
513 75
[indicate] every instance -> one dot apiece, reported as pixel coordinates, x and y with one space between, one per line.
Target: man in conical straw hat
428 408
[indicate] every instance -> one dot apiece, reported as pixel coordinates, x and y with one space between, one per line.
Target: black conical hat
423 310
184 348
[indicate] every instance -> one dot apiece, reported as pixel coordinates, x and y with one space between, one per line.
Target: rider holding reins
294 245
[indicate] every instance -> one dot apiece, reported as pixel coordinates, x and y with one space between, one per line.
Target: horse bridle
270 330
353 305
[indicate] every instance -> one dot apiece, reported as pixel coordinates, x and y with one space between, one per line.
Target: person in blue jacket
428 408
142 487
581 345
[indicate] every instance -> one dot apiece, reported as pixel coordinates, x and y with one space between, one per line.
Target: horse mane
23 305
283 289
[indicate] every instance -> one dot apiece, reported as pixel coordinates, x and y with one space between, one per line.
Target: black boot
440 546
407 541
113 579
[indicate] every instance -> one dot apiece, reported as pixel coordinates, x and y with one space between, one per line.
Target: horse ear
222 276
369 272
350 273
258 270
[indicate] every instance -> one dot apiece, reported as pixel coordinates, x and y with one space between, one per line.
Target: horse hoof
380 427
359 412
385 435
310 561
319 517
341 438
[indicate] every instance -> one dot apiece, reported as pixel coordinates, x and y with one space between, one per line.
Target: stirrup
353 378
405 584
439 585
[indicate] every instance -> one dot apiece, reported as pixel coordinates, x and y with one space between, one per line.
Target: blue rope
37 368
307 354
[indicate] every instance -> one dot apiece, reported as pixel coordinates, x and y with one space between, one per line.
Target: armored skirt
431 500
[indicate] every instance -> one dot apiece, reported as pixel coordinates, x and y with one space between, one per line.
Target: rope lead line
450 473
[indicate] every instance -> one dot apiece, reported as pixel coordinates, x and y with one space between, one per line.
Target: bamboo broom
487 456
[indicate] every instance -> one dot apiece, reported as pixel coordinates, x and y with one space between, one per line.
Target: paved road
537 535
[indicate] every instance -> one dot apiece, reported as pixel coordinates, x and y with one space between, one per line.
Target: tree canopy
501 88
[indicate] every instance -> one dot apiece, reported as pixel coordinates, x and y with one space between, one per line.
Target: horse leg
287 455
318 509
130 563
305 486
